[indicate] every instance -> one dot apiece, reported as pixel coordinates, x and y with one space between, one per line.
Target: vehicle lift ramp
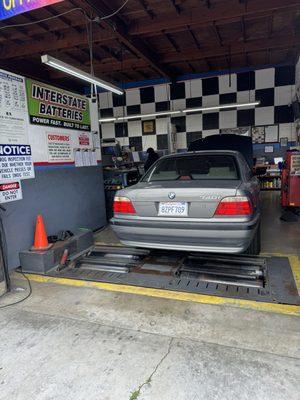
264 279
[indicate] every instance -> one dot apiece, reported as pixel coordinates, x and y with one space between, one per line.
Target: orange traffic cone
40 235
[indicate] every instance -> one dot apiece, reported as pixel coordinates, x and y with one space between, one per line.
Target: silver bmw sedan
205 201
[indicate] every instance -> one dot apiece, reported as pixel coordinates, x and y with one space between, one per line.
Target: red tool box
290 180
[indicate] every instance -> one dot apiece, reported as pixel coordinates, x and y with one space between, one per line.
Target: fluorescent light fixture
221 107
78 73
190 110
107 119
157 114
140 116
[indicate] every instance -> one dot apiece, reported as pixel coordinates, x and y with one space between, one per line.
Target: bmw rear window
200 167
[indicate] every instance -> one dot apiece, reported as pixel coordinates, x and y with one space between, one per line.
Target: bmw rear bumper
214 237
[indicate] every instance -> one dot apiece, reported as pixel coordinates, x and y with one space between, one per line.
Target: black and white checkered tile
273 87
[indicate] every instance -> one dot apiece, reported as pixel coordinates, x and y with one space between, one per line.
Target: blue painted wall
68 198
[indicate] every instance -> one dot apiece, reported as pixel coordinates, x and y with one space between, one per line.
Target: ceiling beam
191 67
208 4
216 32
146 8
72 59
30 18
269 56
109 65
270 25
110 52
172 42
142 73
55 25
205 54
26 33
30 70
203 16
243 28
5 33
66 21
26 68
196 41
50 42
236 48
176 6
120 29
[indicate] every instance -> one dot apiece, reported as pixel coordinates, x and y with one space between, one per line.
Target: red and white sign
84 139
59 147
10 192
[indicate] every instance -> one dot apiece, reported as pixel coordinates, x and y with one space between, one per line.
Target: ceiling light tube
223 106
78 73
157 114
107 119
190 110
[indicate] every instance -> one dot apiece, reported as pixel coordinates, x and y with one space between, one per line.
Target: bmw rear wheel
255 246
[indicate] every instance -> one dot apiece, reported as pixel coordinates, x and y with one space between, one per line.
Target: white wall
277 82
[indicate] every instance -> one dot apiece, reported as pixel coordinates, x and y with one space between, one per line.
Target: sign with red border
10 191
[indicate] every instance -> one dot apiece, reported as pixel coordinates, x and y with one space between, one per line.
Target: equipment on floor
261 279
290 178
111 151
62 235
43 261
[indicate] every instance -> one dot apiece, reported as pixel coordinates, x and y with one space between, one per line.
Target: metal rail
242 277
228 270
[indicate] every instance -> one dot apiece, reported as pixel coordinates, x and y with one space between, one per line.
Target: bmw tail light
123 205
234 206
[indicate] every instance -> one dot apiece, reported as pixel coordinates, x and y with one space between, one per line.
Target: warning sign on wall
59 147
84 139
15 162
10 192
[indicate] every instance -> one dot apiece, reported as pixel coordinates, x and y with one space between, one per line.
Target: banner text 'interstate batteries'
55 107
9 8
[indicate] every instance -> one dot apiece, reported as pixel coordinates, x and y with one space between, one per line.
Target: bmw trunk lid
201 197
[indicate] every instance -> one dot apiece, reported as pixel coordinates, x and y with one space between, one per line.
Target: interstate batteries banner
54 107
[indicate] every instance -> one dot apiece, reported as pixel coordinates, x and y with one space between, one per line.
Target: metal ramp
264 279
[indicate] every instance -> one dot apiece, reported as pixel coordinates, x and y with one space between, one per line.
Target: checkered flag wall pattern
273 87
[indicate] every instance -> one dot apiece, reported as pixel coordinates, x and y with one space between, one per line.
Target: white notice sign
59 147
86 158
78 158
13 109
15 162
10 192
93 158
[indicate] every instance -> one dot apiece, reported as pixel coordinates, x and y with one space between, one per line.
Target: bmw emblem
171 195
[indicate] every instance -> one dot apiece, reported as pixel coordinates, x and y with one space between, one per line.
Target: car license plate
173 209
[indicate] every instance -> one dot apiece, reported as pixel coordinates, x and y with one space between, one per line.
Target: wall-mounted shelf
265 189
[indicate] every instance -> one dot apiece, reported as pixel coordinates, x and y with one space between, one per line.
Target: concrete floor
78 343
278 236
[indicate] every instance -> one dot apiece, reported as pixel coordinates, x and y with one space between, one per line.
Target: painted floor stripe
168 294
295 265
